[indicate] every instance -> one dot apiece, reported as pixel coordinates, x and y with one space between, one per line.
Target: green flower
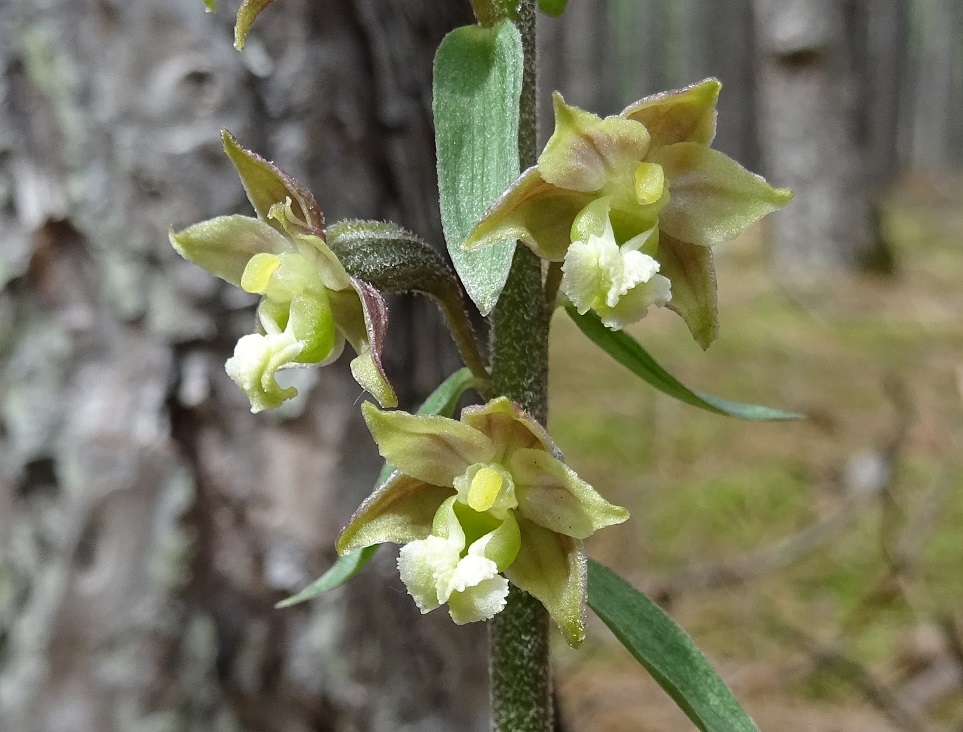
612 198
309 304
477 503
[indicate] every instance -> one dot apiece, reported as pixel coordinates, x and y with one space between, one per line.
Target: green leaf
552 7
340 572
627 351
210 5
666 652
443 400
477 85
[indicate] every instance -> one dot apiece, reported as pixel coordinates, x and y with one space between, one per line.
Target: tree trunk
808 140
937 125
879 50
148 521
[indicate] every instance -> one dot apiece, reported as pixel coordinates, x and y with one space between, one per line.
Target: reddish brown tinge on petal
266 184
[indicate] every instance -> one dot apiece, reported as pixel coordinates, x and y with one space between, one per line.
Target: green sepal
555 498
692 273
551 568
628 352
586 152
509 426
534 211
431 448
248 11
711 197
399 511
343 569
267 185
680 115
666 652
224 245
476 88
442 401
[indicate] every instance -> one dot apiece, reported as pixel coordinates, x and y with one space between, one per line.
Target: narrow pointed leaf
666 652
340 572
628 352
477 84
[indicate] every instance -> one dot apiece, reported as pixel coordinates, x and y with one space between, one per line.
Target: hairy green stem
521 690
453 308
553 280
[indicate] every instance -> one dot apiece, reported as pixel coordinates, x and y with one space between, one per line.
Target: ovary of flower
618 282
256 360
435 572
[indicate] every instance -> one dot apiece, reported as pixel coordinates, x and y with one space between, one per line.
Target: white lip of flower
255 362
618 282
435 573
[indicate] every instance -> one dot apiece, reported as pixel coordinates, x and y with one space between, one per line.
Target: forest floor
818 563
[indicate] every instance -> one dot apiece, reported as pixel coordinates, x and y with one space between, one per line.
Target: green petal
361 315
508 426
224 245
399 511
503 544
551 568
430 448
312 324
267 185
690 269
683 115
534 211
712 197
553 496
585 152
592 220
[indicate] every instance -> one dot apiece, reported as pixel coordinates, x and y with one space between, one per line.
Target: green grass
705 489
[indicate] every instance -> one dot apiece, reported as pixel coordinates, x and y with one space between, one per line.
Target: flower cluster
309 304
477 503
631 204
627 207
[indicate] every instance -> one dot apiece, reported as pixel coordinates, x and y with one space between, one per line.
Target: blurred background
149 522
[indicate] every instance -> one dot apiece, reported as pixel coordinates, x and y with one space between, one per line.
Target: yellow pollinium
484 489
649 183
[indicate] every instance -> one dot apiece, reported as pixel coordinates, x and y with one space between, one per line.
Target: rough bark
808 141
148 521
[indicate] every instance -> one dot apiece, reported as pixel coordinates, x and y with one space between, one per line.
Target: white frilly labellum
619 282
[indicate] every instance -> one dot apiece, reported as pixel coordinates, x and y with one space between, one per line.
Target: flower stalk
521 690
